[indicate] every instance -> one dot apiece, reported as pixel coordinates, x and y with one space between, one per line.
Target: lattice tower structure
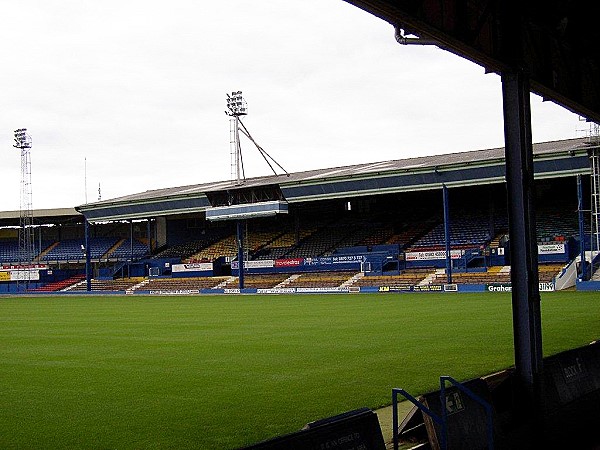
26 230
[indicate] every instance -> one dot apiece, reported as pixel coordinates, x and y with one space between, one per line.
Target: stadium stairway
141 284
351 281
74 286
432 276
113 248
224 283
287 281
47 250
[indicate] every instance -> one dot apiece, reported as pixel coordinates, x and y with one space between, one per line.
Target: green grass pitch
218 372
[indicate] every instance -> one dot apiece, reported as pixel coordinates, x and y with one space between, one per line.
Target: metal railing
442 420
437 419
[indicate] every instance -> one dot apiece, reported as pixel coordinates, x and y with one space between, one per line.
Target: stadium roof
55 215
552 159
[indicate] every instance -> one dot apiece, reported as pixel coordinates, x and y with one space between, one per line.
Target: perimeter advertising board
507 287
551 249
288 262
20 275
192 267
291 265
204 269
416 288
23 266
543 249
333 260
258 264
432 255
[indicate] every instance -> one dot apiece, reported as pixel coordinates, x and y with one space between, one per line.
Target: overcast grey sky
137 89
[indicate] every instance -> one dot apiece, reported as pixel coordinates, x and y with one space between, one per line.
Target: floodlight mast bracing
236 107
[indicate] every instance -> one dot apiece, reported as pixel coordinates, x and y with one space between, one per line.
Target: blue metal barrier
443 420
437 419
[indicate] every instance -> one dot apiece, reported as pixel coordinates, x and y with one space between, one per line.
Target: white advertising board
192 267
437 254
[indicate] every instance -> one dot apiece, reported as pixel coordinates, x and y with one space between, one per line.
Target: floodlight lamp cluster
236 105
22 139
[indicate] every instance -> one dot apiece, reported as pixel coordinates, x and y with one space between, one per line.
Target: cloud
138 89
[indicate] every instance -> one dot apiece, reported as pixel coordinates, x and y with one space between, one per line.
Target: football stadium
392 304
426 224
397 269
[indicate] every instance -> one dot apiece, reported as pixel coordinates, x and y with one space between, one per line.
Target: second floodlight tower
236 107
26 241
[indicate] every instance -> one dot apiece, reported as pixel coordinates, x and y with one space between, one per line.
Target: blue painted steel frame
437 419
149 236
447 234
240 243
583 264
88 257
130 242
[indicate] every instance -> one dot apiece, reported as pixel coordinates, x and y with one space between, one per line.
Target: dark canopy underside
555 42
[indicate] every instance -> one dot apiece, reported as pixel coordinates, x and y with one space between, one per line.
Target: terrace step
224 283
429 278
73 286
287 281
352 280
139 285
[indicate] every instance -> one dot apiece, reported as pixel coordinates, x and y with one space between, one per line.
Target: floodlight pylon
26 235
237 107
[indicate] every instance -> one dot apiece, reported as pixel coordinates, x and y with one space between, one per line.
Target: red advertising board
288 262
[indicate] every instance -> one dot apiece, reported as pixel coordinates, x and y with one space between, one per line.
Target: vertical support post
156 243
583 264
594 209
527 327
240 243
447 234
492 225
39 242
88 257
149 236
130 242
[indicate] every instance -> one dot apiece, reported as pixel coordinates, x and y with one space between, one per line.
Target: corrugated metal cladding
406 182
557 159
142 210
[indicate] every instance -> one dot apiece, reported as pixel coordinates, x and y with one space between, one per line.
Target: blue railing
442 420
437 419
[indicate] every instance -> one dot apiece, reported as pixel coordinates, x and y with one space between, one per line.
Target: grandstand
353 228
